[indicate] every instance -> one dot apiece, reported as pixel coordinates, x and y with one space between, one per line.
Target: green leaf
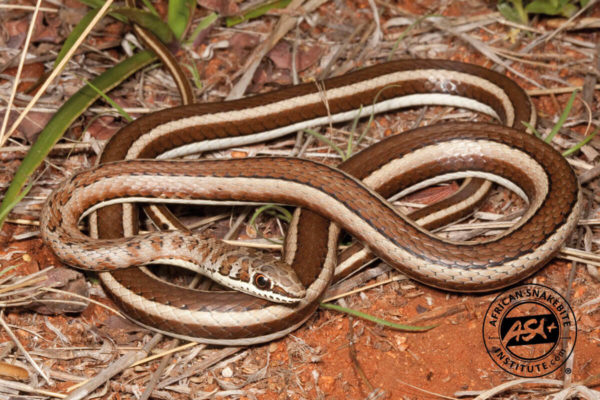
376 320
512 14
548 7
514 11
179 15
149 21
257 12
61 121
568 10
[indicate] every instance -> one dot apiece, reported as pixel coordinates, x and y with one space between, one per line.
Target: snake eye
261 281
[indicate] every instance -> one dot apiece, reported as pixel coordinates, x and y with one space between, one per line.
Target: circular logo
529 330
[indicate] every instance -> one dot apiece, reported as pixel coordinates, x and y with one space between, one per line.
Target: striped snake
352 196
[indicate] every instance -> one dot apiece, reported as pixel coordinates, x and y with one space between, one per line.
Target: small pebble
273 347
227 372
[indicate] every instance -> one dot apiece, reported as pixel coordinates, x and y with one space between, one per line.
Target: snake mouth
288 296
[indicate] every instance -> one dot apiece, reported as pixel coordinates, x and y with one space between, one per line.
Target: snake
136 167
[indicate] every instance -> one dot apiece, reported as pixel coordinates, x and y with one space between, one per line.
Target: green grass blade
275 210
368 126
110 101
562 119
150 7
350 147
369 123
179 15
93 3
283 213
195 75
61 121
205 23
4 211
522 14
376 320
257 12
532 129
327 141
8 269
582 143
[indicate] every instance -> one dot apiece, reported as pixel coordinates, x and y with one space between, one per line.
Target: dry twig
22 348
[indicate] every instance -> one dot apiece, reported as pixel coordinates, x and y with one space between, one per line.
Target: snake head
256 273
276 281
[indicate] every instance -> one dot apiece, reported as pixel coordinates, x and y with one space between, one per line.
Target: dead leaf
307 56
31 126
121 330
29 75
16 27
241 43
67 280
262 75
71 15
114 322
16 31
46 29
103 128
281 55
13 372
223 7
